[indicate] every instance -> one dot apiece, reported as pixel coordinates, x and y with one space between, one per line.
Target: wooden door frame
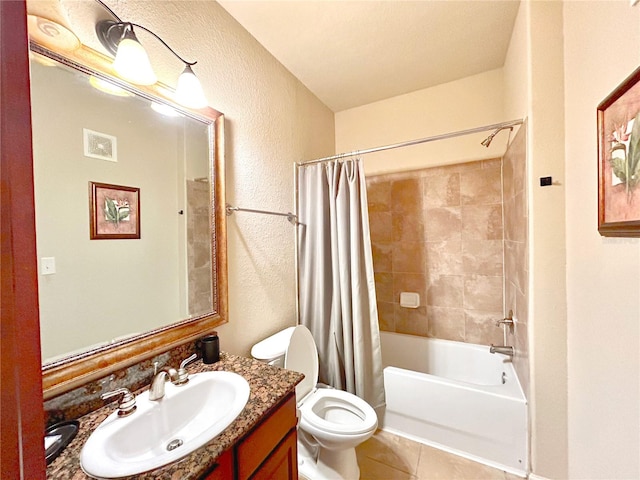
21 407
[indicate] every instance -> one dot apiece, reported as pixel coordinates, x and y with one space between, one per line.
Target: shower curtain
336 282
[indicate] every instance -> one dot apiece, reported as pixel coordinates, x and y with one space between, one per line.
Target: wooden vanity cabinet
269 451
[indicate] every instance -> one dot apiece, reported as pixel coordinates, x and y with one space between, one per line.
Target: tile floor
389 457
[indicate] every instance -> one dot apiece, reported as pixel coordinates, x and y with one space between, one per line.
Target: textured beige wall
534 89
603 274
467 103
547 306
272 120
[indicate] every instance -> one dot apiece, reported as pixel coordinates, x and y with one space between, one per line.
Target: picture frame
619 160
114 211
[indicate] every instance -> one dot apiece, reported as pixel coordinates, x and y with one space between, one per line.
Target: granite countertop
269 385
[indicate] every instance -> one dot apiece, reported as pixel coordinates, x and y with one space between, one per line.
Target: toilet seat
349 414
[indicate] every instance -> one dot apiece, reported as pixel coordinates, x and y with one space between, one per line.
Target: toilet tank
271 350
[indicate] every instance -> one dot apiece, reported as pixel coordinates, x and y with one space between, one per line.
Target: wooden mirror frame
75 370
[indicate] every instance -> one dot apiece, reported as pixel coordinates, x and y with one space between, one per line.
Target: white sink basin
192 414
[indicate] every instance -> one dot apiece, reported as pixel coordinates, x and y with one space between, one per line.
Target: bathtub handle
508 320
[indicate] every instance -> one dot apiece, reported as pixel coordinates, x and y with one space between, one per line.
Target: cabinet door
260 443
223 469
282 463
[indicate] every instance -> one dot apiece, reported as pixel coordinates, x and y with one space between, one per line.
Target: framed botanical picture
114 211
619 160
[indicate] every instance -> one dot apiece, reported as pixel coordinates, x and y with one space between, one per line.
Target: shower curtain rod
443 136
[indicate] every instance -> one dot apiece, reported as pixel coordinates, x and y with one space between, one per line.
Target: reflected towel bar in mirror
293 219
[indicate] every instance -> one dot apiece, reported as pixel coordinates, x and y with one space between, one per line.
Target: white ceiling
351 53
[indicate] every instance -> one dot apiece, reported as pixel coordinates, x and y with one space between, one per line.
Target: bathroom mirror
131 241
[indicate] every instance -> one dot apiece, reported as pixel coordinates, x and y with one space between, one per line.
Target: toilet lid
302 357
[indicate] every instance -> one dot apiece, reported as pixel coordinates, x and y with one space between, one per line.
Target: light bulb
165 110
108 87
132 62
189 92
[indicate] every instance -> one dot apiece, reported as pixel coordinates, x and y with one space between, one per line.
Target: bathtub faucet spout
503 349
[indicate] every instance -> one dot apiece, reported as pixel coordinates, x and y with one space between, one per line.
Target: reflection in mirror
97 293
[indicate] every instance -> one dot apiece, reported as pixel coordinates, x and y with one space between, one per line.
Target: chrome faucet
503 349
178 377
156 392
507 322
183 375
127 404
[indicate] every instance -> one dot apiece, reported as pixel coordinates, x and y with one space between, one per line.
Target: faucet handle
127 403
183 375
508 320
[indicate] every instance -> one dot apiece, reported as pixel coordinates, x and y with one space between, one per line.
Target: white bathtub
457 397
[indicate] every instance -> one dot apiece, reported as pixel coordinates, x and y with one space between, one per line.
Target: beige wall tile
510 262
384 286
453 256
442 224
408 257
480 328
381 252
444 258
509 206
407 227
410 282
519 218
379 196
442 190
412 321
481 187
482 257
406 195
483 293
381 226
481 222
517 153
507 177
445 291
446 323
491 163
386 316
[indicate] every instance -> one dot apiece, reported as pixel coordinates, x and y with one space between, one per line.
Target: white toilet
331 422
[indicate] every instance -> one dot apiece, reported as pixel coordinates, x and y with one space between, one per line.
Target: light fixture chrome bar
443 136
290 216
110 33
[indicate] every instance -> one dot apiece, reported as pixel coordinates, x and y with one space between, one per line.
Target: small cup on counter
210 347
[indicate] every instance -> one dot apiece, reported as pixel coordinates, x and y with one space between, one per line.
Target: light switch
48 265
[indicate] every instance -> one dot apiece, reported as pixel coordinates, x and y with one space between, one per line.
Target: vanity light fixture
132 62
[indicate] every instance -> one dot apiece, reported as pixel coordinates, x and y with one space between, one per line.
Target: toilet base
330 465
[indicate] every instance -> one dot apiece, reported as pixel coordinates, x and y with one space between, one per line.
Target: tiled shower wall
516 239
199 247
439 232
